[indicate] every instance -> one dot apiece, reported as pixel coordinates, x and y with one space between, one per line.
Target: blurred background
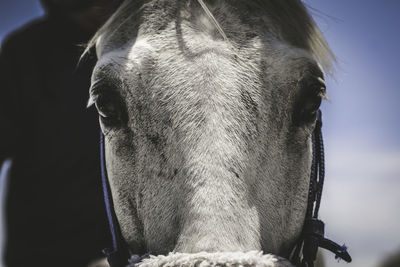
361 198
361 202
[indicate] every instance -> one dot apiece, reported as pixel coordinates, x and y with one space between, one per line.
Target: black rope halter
313 233
313 229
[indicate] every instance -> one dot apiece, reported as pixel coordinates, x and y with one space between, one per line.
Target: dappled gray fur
207 139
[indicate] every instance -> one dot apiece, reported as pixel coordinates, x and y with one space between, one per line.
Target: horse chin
205 259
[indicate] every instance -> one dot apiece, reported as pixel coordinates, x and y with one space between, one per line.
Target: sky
361 200
361 124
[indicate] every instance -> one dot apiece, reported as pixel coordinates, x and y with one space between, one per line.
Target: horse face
208 142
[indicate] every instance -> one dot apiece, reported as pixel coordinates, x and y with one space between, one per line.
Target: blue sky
364 35
362 193
361 123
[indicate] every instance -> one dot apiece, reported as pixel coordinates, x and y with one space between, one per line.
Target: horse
207 110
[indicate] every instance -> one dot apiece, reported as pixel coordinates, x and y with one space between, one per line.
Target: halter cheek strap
313 229
118 255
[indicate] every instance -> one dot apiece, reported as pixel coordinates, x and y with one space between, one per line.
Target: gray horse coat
207 118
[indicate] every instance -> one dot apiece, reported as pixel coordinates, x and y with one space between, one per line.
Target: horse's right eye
110 109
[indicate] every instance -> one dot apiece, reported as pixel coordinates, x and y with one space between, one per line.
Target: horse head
207 110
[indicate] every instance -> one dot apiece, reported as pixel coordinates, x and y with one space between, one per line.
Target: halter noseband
312 236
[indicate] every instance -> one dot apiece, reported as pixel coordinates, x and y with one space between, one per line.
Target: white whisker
214 20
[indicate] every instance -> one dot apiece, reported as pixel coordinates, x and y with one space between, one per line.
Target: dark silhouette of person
55 213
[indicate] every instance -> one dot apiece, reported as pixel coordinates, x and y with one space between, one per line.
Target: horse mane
291 17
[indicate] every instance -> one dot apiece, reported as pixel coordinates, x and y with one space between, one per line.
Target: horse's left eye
309 100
